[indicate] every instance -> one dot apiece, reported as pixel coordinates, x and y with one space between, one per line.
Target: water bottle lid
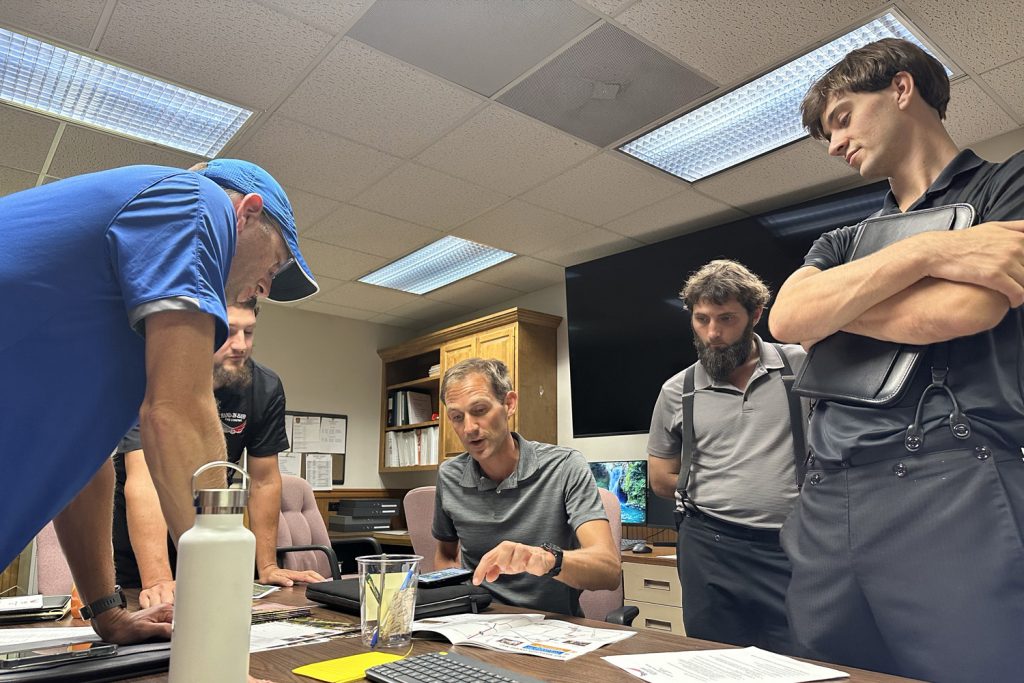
220 501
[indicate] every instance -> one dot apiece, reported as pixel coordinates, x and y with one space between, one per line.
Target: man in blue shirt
115 289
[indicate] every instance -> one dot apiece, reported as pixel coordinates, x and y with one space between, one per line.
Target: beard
233 378
720 363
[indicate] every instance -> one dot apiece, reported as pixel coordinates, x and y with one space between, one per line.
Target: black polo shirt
986 369
252 420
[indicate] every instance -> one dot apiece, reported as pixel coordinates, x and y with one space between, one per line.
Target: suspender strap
689 440
796 419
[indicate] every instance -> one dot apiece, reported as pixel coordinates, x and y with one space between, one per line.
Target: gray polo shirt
550 494
743 470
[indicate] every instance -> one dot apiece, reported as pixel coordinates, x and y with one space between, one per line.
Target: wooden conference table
277 665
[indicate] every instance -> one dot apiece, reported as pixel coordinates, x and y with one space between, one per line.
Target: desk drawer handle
654 584
657 625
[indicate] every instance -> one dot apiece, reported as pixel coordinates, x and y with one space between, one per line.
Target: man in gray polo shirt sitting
730 424
528 515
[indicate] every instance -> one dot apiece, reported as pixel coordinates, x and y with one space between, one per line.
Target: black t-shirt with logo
252 420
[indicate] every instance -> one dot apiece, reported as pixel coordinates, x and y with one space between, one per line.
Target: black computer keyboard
443 668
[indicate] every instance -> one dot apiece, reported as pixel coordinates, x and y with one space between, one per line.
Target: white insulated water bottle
213 593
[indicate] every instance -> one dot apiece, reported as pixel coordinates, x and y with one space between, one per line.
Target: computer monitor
627 479
660 511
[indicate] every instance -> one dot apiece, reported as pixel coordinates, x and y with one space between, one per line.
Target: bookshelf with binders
412 437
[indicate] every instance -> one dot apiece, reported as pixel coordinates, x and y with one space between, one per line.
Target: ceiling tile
524 274
342 311
521 228
472 293
428 197
426 310
68 22
315 161
370 232
978 35
376 100
15 180
84 150
609 7
25 138
767 182
747 37
338 262
482 46
327 15
602 189
394 320
232 49
605 87
505 151
367 297
684 212
1008 82
308 208
973 116
588 246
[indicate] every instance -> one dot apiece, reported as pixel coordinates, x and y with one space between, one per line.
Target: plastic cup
387 598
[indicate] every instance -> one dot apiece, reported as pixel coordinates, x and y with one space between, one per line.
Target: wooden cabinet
652 586
524 340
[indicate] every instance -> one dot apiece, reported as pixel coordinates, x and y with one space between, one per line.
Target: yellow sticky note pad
345 669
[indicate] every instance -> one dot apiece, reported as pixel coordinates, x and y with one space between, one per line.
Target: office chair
600 605
53 576
302 539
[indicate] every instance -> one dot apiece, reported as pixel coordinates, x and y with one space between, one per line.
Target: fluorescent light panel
436 265
82 89
755 118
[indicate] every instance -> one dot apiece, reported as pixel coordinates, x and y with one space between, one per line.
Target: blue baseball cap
296 281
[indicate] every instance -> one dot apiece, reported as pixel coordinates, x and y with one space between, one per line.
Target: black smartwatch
557 552
98 607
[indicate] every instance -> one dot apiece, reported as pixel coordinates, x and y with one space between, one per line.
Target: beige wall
330 364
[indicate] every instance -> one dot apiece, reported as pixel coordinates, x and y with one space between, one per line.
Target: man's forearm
590 569
814 305
264 514
146 526
931 311
84 531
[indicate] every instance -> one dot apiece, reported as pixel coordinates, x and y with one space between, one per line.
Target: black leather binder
343 595
129 662
856 370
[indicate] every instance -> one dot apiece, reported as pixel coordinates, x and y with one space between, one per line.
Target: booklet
16 610
528 634
733 665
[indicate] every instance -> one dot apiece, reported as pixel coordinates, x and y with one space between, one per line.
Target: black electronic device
445 577
445 666
641 548
46 656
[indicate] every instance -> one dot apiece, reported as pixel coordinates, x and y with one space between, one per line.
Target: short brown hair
871 68
493 370
252 304
722 280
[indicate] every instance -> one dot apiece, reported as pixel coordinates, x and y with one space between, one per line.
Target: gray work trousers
913 564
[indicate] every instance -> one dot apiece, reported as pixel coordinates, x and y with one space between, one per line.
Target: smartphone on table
45 655
444 577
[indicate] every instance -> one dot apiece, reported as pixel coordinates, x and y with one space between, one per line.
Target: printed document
746 665
528 634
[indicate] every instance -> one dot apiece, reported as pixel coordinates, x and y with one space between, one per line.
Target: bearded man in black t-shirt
250 402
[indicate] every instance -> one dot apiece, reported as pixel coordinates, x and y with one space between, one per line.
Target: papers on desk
18 638
273 635
528 634
723 666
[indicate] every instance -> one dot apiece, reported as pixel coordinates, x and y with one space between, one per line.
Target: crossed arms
929 288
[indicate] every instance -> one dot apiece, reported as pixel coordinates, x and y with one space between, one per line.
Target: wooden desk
276 665
384 538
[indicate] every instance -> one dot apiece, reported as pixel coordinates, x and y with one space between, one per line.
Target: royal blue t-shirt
82 262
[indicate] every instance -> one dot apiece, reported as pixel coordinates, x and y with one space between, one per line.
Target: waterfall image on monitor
627 479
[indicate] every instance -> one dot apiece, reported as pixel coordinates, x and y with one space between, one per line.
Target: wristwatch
557 552
98 607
